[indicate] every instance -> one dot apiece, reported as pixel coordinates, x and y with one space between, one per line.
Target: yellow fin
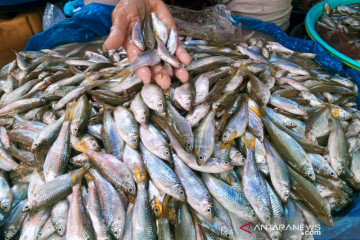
158 207
76 177
125 73
335 112
82 147
255 110
88 177
228 144
249 143
165 207
140 177
228 179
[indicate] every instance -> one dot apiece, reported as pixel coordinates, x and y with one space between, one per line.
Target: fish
271 125
136 34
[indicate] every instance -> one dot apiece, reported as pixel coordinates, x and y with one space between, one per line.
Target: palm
124 18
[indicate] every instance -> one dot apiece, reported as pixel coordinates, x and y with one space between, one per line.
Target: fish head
275 235
166 153
189 144
6 205
159 105
207 211
201 156
178 191
134 140
130 188
36 144
75 128
117 229
9 234
227 232
29 205
289 124
284 194
60 228
309 172
264 98
143 117
226 136
238 159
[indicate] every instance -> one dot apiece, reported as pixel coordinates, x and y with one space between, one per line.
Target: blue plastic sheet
95 20
90 21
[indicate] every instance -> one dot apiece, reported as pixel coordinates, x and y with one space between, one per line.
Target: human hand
124 18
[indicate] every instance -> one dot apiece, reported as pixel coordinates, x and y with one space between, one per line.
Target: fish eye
60 229
188 145
88 238
31 162
36 144
188 104
332 203
242 159
7 238
166 153
135 140
160 104
143 118
156 210
201 157
75 129
310 175
339 169
72 160
226 162
267 218
208 210
4 207
286 195
130 190
276 237
254 214
181 192
332 173
263 99
26 207
39 233
116 232
227 235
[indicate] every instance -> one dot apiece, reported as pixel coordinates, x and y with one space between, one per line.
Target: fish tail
82 147
140 176
249 143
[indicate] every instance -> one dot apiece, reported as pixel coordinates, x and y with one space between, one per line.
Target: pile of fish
340 27
259 135
342 18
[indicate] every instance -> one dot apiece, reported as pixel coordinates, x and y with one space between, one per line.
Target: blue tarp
95 20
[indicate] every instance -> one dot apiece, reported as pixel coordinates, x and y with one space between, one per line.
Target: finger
117 31
133 52
164 15
181 74
163 81
182 55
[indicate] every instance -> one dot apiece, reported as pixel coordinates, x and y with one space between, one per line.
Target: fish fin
125 73
106 107
76 177
162 74
139 176
88 177
228 144
158 209
249 143
82 147
255 110
89 79
228 179
21 169
335 112
171 212
165 207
